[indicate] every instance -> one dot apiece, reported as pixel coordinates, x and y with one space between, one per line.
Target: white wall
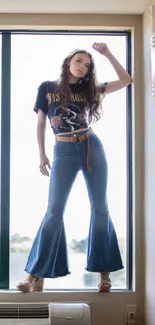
149 158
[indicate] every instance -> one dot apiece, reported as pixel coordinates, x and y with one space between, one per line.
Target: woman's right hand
44 163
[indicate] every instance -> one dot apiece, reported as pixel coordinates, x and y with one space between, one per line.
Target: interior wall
106 308
149 155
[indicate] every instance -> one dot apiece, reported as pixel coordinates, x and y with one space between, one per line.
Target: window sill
76 295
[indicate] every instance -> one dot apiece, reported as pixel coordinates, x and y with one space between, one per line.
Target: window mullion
5 160
129 171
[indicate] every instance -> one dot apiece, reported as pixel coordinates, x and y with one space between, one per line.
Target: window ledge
47 295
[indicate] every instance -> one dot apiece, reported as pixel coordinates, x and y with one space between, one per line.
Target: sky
37 58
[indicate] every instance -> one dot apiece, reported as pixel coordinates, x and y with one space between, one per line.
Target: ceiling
74 6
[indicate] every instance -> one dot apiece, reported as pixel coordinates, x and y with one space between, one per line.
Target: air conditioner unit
65 313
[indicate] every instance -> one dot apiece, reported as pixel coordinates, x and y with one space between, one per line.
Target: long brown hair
89 87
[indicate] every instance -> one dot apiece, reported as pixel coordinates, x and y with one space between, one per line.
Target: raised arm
124 79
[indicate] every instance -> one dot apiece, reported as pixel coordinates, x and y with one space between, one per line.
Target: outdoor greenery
22 245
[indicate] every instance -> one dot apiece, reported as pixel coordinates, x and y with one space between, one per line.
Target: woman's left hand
101 48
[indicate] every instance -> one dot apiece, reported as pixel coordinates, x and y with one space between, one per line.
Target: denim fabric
48 257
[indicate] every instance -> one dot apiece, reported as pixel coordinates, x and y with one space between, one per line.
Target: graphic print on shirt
71 118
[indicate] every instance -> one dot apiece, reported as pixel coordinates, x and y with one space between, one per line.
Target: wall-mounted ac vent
24 311
64 313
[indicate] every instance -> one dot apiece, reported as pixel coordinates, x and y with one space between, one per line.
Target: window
36 58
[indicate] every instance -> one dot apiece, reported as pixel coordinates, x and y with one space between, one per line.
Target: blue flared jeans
48 257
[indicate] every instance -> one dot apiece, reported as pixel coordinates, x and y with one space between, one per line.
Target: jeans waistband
78 138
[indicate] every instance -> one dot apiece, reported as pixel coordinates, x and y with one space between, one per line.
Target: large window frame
5 151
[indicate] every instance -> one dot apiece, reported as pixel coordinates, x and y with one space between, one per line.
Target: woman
71 104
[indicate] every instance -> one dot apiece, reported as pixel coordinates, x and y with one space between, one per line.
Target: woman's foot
31 284
105 283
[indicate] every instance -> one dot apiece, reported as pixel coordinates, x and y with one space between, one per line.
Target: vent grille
24 312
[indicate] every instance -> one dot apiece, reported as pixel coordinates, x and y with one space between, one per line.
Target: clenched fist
101 48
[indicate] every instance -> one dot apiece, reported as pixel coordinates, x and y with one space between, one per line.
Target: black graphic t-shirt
75 115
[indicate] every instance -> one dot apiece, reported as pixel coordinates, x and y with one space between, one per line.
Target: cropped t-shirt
74 117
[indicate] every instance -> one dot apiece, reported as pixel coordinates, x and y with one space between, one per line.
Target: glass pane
37 58
0 68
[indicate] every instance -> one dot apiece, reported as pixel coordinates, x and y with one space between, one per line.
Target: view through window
0 63
34 59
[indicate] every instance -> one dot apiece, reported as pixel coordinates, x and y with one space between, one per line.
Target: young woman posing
71 104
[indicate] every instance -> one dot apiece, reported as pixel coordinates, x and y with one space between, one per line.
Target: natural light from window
34 59
0 64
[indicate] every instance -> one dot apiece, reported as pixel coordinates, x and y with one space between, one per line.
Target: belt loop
88 155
